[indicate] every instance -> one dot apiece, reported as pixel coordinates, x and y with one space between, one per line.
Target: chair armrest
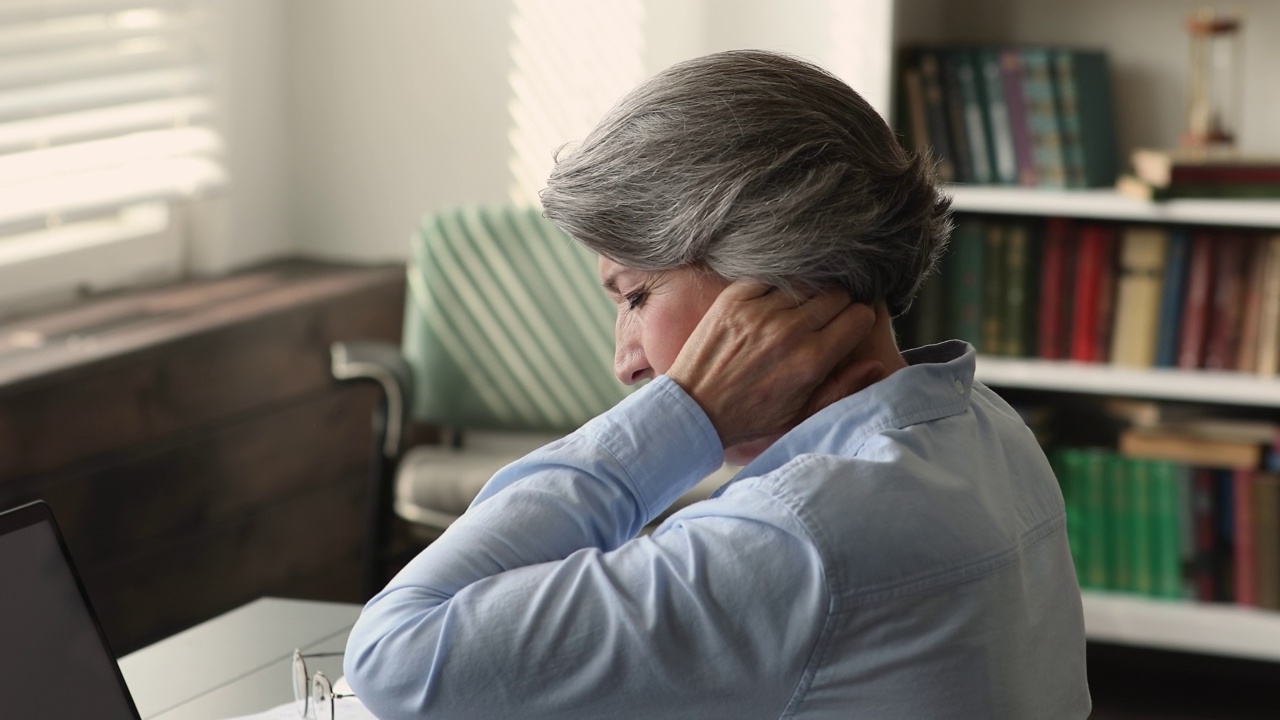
381 363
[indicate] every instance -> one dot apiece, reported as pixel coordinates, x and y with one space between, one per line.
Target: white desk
237 663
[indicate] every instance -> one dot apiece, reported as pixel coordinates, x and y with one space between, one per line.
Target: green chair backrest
506 326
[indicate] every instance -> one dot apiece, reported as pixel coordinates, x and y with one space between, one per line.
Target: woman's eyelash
636 299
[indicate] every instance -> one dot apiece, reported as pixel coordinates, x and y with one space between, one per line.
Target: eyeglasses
313 691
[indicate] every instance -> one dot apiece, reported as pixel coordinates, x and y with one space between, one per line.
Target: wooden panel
192 443
155 493
187 384
176 585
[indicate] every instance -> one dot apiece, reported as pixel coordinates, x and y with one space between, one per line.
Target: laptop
55 662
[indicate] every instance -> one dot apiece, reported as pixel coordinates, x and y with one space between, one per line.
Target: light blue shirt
901 554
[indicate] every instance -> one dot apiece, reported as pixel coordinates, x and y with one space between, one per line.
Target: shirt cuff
662 439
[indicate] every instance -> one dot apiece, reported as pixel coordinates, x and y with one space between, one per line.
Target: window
571 61
105 126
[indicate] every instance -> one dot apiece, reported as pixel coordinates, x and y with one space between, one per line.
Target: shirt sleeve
541 601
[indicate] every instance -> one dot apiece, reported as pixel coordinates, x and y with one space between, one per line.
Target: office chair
507 345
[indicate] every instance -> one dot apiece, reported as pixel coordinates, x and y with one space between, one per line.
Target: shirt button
959 387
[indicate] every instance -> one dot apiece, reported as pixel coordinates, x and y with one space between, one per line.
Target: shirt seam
954 576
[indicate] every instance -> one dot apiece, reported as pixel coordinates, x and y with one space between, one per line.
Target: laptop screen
53 661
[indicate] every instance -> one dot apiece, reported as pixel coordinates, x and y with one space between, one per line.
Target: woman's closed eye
636 298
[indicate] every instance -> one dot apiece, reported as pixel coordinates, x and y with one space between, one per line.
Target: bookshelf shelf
1228 630
1223 388
1107 204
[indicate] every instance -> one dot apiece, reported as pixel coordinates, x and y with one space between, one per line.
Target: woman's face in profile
657 311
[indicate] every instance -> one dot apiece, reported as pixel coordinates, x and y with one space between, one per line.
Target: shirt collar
936 383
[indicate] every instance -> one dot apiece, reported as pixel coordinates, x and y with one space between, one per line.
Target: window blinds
571 61
105 114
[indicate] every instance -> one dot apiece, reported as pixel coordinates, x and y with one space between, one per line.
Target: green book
1042 117
1115 503
1083 85
1141 528
964 281
993 300
1015 322
1097 539
1066 466
1166 521
977 134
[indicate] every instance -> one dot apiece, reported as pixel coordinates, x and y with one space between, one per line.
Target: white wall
347 119
247 222
393 107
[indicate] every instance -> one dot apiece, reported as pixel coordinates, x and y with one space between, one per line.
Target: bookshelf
1109 205
1204 386
1148 50
1228 630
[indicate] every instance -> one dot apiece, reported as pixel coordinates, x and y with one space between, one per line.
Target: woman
895 546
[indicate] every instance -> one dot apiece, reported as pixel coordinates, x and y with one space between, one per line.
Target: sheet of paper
344 709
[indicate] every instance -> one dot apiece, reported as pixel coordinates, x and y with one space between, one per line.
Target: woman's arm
538 602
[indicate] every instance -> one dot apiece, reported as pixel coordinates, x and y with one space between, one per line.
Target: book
1087 117
1268 364
936 114
953 99
1054 309
1011 75
1245 570
1096 511
1196 303
917 121
1224 522
1266 544
1118 521
1165 168
1226 298
1141 270
1202 503
1139 510
1191 448
964 281
974 121
1135 187
1066 467
1177 255
1090 291
1015 321
1167 552
999 118
993 269
1255 267
1043 118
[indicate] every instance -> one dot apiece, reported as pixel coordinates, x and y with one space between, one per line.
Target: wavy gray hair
757 165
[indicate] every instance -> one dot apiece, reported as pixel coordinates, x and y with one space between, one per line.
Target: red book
1202 519
1246 568
1195 308
1091 295
1225 174
1011 81
1227 303
1106 311
1055 278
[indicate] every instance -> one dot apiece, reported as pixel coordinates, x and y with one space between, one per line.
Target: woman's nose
630 365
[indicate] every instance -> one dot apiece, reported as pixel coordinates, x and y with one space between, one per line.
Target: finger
824 307
845 382
745 289
849 327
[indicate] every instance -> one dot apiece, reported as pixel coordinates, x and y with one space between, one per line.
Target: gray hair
757 165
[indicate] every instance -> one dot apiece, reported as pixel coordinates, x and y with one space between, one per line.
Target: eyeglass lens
301 683
322 696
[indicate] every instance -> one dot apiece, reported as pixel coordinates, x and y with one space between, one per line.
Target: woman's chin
743 453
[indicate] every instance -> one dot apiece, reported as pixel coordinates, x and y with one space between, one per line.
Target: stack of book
1169 175
1187 510
1033 116
1126 294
